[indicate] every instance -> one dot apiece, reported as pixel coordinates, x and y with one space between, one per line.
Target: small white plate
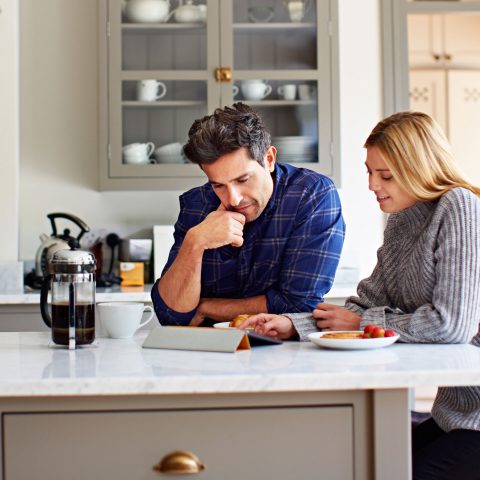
350 344
222 325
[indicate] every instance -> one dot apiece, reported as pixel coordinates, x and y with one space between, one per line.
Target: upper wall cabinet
163 65
444 40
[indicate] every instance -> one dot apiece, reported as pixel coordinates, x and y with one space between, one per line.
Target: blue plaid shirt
290 253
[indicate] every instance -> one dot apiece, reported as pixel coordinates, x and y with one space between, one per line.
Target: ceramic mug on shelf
306 92
123 319
297 9
255 89
137 153
150 90
287 92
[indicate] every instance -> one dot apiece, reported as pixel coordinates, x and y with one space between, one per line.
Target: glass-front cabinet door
165 63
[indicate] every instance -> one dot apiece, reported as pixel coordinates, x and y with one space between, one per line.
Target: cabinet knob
223 74
436 57
447 57
179 463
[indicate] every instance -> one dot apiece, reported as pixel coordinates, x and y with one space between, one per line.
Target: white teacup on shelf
137 153
255 89
306 92
170 153
150 90
260 13
287 92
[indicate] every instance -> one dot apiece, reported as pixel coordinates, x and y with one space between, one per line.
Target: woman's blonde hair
418 154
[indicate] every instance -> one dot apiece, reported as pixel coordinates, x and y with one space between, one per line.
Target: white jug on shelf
189 13
147 11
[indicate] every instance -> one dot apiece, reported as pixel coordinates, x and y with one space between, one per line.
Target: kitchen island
114 409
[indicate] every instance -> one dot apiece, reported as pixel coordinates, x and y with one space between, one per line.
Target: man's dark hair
225 131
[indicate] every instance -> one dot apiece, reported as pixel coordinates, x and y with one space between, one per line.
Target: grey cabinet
204 65
279 436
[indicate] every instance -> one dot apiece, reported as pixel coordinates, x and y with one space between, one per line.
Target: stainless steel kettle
54 242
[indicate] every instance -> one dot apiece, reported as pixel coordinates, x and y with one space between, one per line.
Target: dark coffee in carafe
84 323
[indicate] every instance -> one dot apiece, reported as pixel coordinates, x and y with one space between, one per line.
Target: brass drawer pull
179 463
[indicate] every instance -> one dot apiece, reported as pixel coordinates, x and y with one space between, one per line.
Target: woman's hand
270 325
333 317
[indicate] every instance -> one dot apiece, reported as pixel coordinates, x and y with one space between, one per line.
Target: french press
71 276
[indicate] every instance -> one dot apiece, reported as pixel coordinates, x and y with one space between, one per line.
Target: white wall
59 128
9 145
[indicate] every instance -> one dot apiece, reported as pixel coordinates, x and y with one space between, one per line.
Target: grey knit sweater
426 287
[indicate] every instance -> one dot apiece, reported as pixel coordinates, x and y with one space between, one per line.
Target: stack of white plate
291 149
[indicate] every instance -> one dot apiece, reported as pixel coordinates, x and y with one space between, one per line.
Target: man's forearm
180 287
225 309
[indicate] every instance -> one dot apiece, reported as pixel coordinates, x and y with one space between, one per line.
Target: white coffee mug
255 89
287 92
122 319
306 92
150 90
297 9
137 153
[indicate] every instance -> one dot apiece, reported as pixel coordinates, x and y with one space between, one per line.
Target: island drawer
281 442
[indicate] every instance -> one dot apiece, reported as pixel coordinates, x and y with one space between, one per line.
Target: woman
426 284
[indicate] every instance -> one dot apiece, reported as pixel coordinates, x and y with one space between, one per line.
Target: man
258 237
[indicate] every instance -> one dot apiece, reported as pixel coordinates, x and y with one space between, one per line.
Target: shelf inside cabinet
278 103
160 104
146 27
274 26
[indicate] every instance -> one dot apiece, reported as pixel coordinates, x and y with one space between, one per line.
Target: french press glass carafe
72 280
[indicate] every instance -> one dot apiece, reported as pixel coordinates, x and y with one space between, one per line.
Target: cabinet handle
223 74
179 463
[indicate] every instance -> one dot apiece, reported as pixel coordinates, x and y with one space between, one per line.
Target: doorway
432 64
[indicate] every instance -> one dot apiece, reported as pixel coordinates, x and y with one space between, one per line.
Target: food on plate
343 335
369 329
238 320
372 331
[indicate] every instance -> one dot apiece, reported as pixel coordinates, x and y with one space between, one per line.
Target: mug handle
234 90
268 91
150 148
163 87
280 90
147 308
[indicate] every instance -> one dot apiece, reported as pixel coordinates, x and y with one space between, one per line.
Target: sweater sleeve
454 312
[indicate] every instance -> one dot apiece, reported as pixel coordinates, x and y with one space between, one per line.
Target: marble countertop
30 365
135 294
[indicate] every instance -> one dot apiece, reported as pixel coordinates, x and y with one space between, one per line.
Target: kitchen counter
103 294
304 407
30 365
136 294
